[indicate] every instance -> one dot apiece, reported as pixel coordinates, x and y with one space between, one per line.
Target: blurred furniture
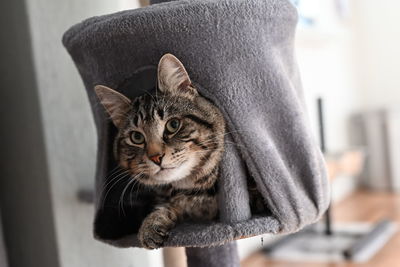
379 132
361 206
349 162
355 242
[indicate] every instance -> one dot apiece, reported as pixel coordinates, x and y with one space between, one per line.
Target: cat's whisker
111 178
138 189
112 183
215 138
209 142
237 145
121 200
115 169
124 175
130 193
226 133
236 131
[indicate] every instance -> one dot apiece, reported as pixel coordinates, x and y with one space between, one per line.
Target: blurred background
349 58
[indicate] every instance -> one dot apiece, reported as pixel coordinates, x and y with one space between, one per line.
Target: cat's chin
169 175
165 175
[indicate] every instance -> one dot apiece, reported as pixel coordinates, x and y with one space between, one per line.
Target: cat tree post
239 54
174 257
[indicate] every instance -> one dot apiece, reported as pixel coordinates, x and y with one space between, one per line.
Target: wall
354 64
24 178
69 143
377 43
327 67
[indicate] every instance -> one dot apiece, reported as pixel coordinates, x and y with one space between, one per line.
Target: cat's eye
173 125
137 138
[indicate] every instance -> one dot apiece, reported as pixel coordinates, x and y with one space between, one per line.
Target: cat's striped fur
172 141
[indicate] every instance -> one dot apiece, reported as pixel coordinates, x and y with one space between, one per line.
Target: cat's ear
172 76
116 104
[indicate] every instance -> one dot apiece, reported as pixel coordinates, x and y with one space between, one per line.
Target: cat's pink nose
157 158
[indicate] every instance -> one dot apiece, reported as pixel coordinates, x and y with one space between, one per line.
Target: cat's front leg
156 226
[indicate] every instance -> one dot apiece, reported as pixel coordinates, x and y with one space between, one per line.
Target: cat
172 141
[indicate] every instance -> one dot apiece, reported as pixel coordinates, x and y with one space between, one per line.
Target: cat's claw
152 236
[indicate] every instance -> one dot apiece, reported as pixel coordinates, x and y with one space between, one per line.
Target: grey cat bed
239 54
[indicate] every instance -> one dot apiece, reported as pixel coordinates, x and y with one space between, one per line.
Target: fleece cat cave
239 54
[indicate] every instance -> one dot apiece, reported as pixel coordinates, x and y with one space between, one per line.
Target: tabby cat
172 141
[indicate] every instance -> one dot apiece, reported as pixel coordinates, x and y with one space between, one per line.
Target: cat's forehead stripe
160 112
146 108
136 104
135 120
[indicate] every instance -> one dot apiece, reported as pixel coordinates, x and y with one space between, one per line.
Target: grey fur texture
239 54
219 256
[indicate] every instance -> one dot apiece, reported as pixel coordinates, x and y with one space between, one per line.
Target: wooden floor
359 207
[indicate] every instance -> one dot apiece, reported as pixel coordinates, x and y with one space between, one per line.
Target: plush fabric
239 54
219 256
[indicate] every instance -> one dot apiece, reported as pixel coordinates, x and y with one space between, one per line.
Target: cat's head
173 136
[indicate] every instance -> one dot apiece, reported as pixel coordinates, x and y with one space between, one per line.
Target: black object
328 217
365 241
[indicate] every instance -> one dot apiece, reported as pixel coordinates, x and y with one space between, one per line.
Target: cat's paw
152 235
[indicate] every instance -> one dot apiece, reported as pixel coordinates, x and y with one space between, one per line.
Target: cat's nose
157 158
